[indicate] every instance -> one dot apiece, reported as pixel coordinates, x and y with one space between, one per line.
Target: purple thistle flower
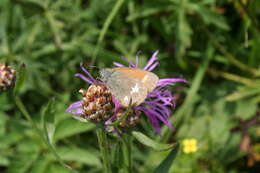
157 106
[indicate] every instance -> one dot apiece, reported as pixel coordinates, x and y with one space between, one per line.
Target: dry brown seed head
97 103
7 77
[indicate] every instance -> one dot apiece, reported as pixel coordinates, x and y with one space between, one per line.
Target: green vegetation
214 44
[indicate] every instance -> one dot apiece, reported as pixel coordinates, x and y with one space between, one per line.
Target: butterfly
129 84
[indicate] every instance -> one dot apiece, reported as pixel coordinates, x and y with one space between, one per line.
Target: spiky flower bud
97 103
131 120
7 77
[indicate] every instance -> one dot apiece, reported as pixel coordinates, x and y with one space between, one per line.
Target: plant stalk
127 149
104 149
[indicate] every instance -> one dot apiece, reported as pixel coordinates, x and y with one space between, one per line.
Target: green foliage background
214 44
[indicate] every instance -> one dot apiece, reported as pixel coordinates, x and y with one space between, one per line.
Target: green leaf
70 127
22 162
184 33
244 92
166 164
48 121
211 17
148 12
31 6
49 128
58 168
151 143
4 161
246 108
20 75
79 155
40 166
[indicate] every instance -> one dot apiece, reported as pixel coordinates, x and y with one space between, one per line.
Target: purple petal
164 110
116 103
116 110
137 58
118 64
168 101
75 108
153 120
131 64
152 60
155 124
154 114
153 66
158 116
87 73
84 78
136 61
169 81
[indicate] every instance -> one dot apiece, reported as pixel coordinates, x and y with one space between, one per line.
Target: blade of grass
182 112
145 140
26 114
105 27
54 28
166 164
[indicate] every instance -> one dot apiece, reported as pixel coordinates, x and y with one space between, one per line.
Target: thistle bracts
7 77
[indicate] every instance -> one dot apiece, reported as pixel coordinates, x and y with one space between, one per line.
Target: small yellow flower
189 146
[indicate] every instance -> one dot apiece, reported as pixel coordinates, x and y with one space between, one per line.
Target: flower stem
126 148
103 146
26 114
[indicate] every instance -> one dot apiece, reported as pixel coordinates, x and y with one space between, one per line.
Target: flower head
189 145
97 102
7 77
157 106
